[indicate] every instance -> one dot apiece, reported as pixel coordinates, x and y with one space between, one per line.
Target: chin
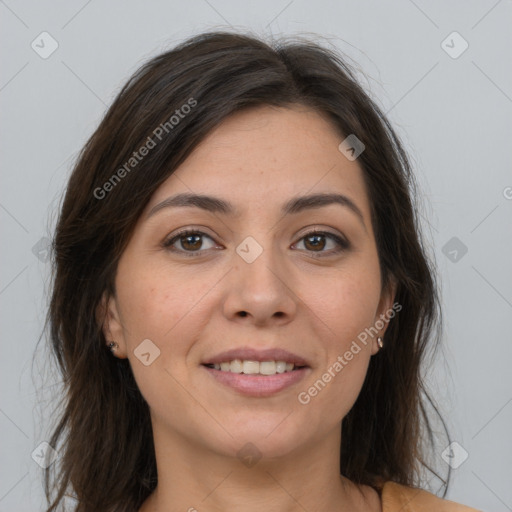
267 437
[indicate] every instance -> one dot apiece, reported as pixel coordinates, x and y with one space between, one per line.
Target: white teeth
249 367
280 367
268 367
236 366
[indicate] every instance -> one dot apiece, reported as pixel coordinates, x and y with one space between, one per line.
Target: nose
261 292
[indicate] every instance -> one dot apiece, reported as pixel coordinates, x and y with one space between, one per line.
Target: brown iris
193 245
316 244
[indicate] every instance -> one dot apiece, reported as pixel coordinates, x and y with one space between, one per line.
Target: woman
241 300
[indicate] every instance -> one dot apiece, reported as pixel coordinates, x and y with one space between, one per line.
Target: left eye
316 240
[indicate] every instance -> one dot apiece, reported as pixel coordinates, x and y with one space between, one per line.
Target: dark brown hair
107 454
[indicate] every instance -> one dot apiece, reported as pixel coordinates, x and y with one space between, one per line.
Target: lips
257 386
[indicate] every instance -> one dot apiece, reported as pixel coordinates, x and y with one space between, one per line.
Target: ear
107 316
385 311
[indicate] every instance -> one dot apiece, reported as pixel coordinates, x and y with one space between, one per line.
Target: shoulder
396 497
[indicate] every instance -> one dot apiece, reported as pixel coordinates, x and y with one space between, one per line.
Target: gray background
453 114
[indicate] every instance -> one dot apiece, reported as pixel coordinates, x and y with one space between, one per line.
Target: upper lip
251 354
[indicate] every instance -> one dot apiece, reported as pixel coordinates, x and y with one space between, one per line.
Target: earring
380 342
113 346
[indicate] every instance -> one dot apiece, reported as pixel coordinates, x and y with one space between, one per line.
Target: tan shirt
400 498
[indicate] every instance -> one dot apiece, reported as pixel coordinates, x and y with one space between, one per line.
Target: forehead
261 156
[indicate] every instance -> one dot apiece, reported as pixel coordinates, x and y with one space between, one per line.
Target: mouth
257 373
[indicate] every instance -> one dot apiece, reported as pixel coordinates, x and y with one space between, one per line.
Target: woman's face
252 278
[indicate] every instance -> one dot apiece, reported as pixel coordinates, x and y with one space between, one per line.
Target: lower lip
258 385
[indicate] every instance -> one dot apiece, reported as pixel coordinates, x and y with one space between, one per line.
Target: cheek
165 307
156 305
345 310
347 306
149 309
147 294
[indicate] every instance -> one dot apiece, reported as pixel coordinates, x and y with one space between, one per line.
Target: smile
254 383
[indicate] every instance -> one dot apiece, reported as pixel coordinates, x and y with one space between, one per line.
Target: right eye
190 241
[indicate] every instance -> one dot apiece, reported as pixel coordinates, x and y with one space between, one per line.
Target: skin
190 308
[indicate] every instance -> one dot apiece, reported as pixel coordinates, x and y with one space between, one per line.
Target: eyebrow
293 206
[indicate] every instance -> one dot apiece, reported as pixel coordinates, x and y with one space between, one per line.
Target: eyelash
342 244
